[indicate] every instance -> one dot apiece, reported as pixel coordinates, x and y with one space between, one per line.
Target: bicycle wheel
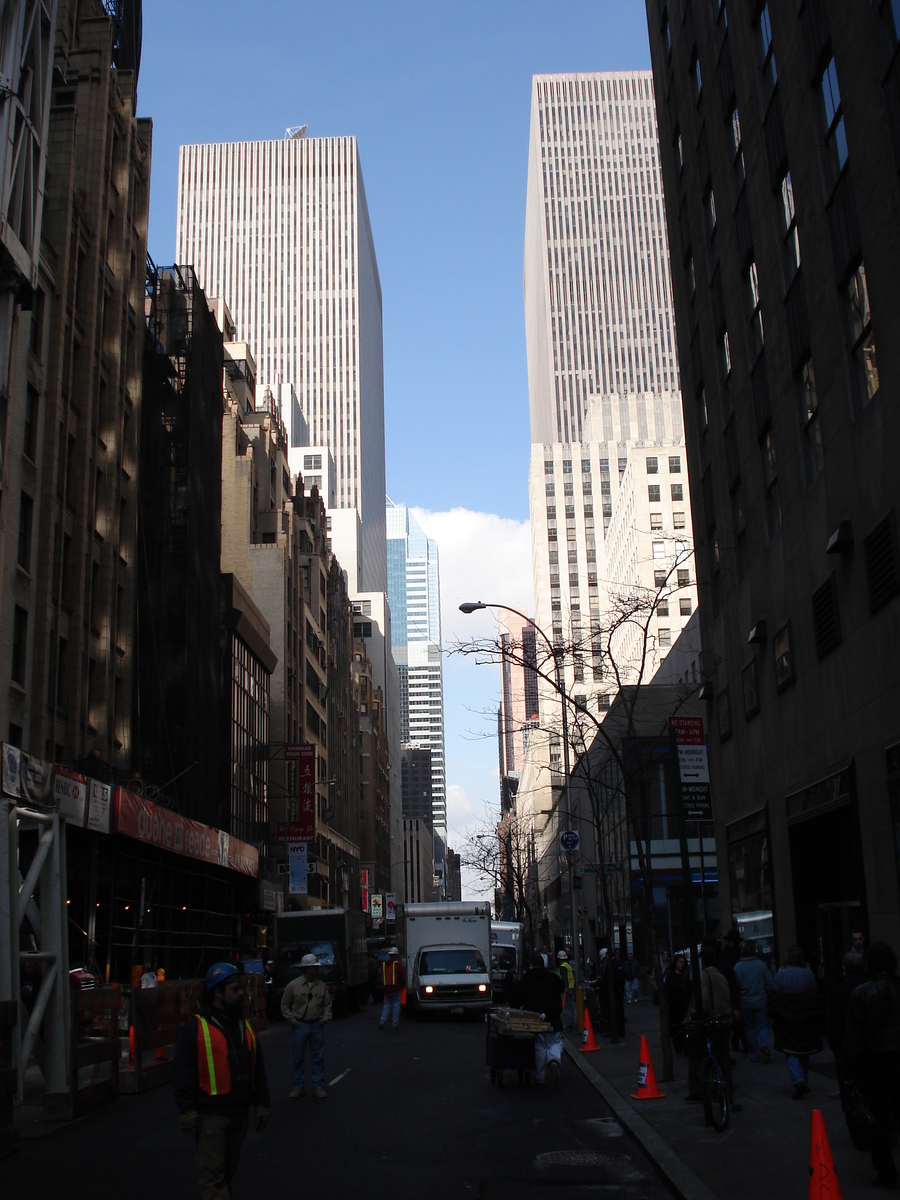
715 1102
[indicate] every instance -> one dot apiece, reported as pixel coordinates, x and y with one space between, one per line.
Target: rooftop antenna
294 133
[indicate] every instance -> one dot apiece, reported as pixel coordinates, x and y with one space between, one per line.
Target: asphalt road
408 1113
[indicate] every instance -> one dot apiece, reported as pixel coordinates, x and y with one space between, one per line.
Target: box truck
337 937
507 954
448 956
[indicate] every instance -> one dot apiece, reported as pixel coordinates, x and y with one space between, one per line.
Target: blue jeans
798 1068
755 1024
391 1005
308 1032
568 1012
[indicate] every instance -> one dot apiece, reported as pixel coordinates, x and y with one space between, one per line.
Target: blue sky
438 96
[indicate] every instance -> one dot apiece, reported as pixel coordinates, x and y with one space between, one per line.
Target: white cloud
482 557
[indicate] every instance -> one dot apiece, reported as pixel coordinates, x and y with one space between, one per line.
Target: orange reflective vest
391 973
212 1057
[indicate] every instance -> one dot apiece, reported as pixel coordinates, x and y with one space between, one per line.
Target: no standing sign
693 767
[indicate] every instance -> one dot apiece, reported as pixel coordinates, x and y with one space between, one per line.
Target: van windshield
451 962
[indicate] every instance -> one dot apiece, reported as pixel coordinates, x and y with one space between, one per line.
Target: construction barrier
156 1017
9 1137
94 1055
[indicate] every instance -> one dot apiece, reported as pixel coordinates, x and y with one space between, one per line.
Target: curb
673 1170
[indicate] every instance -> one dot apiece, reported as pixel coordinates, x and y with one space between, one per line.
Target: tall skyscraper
780 147
415 598
598 304
281 230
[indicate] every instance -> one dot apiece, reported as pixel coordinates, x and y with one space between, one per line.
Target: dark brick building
779 131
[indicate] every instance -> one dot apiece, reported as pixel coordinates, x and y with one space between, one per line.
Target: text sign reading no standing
693 767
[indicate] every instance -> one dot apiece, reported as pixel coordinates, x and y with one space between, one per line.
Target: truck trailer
448 957
337 937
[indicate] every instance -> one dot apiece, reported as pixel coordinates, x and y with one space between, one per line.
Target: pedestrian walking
871 1054
754 980
715 996
542 992
632 974
729 954
567 975
219 1076
797 1009
148 979
393 981
306 1006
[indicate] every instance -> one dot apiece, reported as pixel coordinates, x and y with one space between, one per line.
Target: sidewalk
764 1152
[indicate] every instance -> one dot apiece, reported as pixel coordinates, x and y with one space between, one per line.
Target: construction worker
393 981
306 1005
219 1074
567 975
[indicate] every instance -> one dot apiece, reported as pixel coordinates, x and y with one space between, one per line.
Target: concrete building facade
780 147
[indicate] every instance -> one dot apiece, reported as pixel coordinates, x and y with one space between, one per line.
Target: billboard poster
24 776
390 906
377 907
139 818
297 868
305 757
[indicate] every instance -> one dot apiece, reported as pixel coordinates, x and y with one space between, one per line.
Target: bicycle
716 1106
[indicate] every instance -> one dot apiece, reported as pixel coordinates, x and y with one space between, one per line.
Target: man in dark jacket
219 1074
871 1053
797 1010
542 992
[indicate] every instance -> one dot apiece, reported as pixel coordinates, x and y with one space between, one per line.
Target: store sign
268 896
139 818
364 889
693 767
305 757
297 883
390 906
70 793
377 907
25 777
100 806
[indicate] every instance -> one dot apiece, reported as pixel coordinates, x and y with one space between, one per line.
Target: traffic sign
693 767
568 839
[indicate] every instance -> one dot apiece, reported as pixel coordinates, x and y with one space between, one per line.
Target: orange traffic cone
823 1180
587 1035
646 1087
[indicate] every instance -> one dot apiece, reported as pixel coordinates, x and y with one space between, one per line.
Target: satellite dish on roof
294 133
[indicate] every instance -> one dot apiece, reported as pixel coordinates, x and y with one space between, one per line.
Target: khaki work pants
219 1142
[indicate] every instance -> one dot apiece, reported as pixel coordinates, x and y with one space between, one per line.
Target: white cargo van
448 956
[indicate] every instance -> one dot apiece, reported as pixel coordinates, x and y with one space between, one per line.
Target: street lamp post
557 653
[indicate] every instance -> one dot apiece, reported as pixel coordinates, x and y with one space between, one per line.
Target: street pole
690 927
702 873
561 688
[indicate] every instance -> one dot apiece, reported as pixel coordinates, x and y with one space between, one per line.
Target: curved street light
470 606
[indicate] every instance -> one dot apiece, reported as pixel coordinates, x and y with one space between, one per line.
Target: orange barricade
95 1053
157 1015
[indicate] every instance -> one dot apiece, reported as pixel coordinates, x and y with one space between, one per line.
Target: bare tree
501 854
612 758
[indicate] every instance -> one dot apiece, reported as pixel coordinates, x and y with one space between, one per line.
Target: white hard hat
393 950
309 960
562 956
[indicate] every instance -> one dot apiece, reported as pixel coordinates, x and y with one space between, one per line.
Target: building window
603 702
567 466
26 517
656 521
548 466
754 315
665 638
766 52
835 135
770 477
659 550
750 685
784 657
725 357
662 608
550 488
723 715
674 464
312 462
659 579
678 520
809 421
653 493
677 490
684 578
585 466
826 617
29 441
737 153
652 466
19 638
685 606
790 238
862 339
362 629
